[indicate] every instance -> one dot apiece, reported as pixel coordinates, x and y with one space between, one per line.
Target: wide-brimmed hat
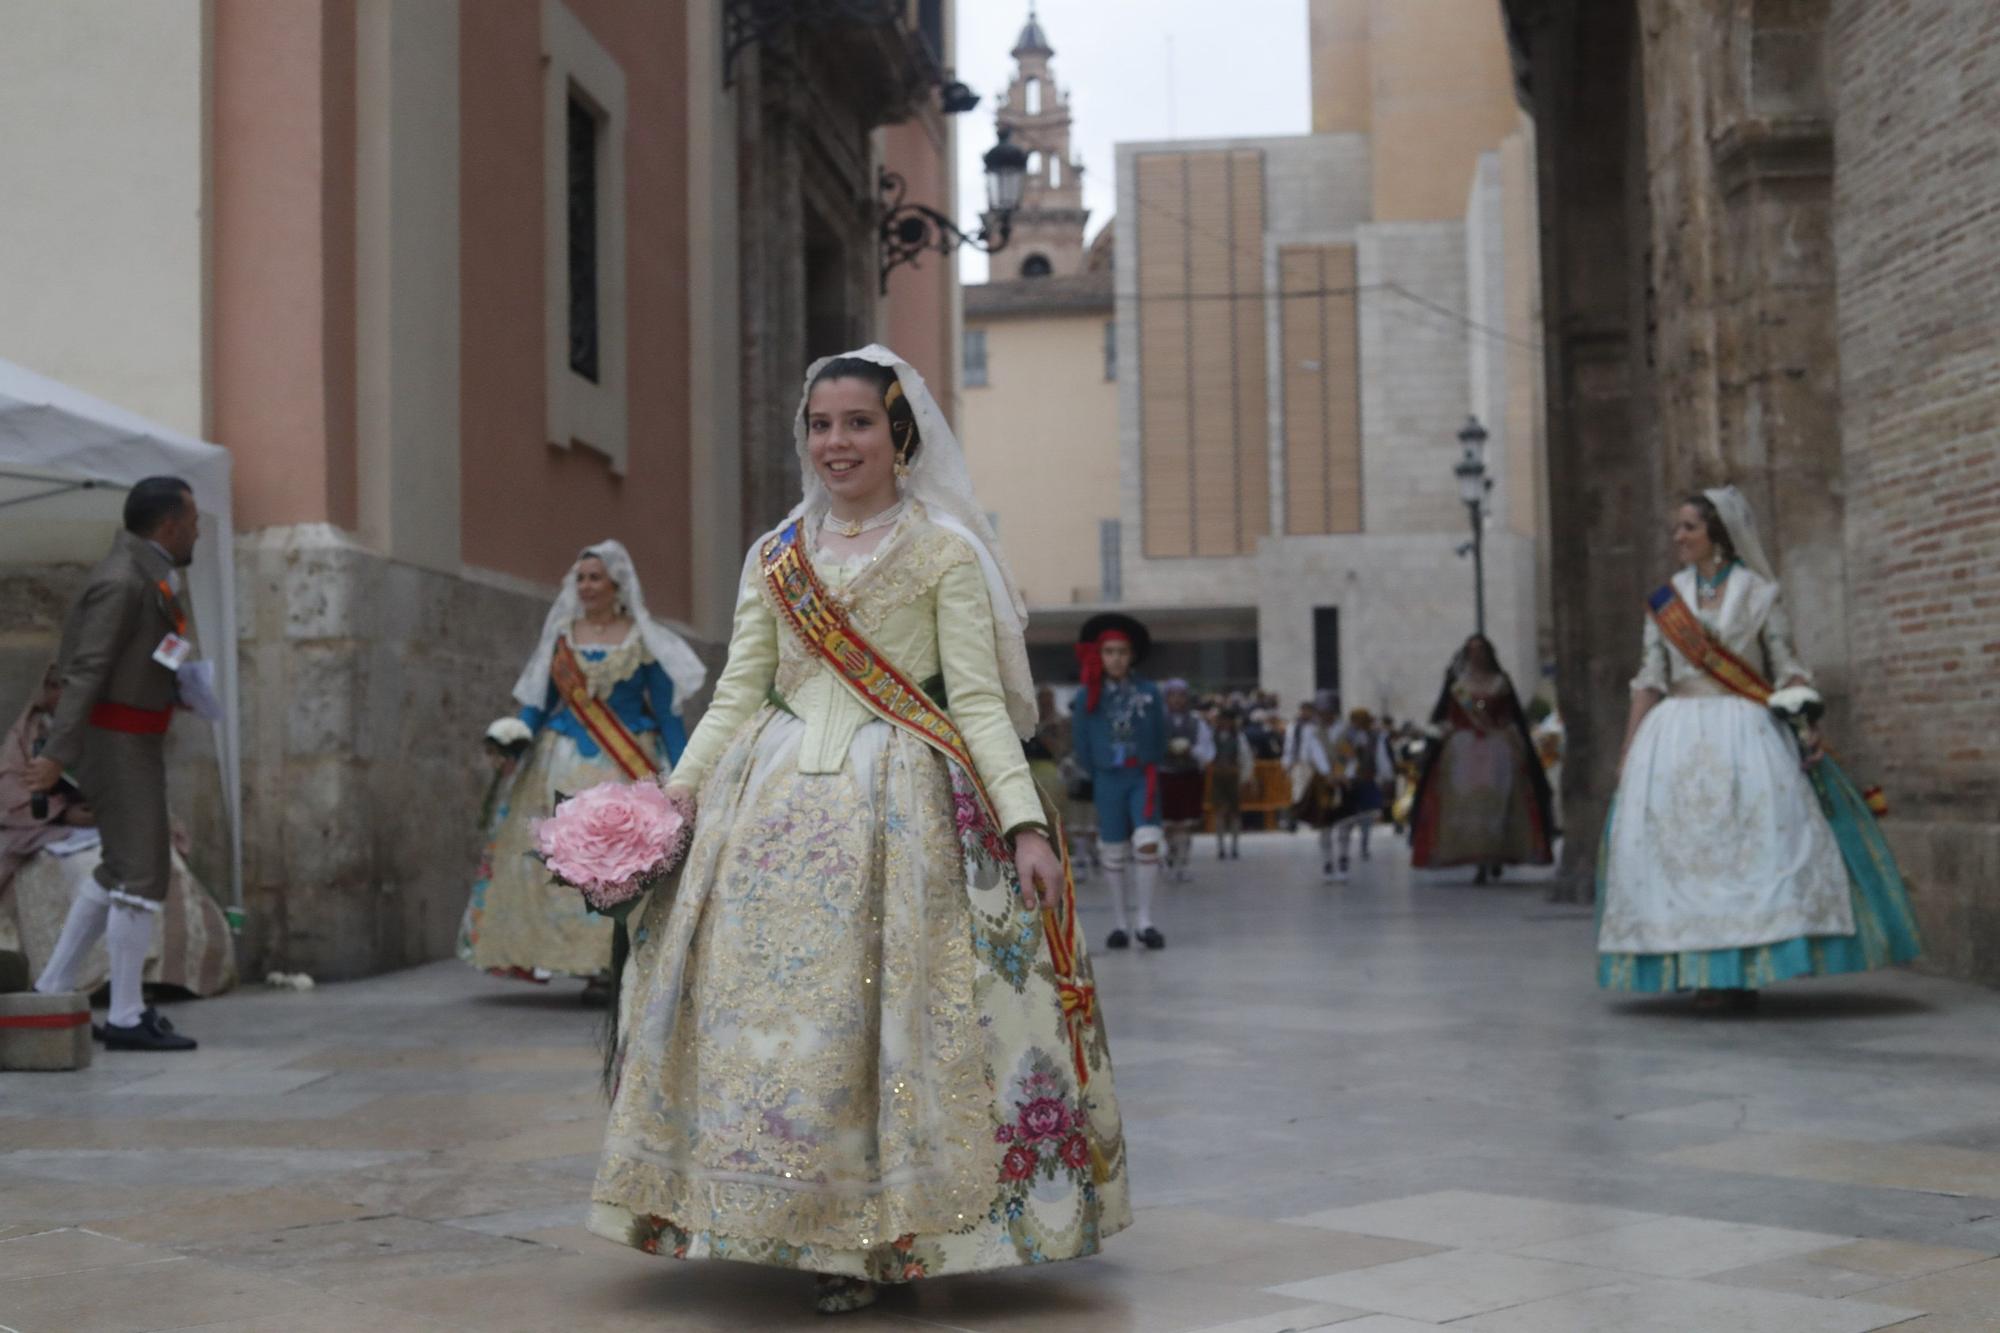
1095 628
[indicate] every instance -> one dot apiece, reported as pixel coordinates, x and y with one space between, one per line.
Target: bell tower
1048 229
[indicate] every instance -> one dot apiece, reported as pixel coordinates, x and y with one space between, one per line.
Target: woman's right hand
682 797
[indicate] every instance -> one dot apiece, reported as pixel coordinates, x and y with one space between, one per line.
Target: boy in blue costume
1118 723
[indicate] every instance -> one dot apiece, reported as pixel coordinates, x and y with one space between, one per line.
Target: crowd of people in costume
857 1031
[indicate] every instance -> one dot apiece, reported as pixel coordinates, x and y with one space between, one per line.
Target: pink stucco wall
917 314
282 325
527 506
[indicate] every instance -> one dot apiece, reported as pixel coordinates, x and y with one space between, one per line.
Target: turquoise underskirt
1885 929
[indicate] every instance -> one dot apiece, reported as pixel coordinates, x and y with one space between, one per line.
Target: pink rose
1044 1118
610 841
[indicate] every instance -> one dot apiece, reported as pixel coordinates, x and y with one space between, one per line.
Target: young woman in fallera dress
601 700
1735 856
858 1030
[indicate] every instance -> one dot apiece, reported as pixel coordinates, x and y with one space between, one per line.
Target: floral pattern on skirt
518 917
843 1048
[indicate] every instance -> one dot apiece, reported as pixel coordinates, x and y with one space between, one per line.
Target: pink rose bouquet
614 841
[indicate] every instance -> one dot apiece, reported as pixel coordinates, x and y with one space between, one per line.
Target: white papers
197 683
82 840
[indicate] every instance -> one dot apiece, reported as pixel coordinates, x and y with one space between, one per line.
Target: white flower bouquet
1800 707
506 741
510 734
1797 703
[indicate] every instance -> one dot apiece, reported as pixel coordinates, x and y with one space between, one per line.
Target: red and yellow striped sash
820 624
597 718
1680 627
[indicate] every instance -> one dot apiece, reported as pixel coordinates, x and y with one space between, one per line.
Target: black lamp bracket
909 230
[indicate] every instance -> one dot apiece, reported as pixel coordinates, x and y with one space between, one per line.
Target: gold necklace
859 526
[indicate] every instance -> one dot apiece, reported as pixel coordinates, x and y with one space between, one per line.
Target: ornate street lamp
1470 469
908 230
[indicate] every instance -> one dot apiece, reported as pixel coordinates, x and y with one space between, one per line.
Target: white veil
669 649
941 481
1734 511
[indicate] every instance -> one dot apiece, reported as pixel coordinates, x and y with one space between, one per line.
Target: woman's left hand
1812 748
1035 860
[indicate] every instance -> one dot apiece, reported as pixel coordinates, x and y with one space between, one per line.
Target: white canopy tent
66 462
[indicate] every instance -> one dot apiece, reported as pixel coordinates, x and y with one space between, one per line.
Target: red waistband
132 721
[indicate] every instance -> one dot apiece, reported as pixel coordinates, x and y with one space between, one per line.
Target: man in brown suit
122 647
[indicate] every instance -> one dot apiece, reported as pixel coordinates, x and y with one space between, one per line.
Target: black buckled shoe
1152 938
1119 940
150 1033
165 1024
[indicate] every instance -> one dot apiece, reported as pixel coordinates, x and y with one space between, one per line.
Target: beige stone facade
1040 392
336 237
1041 428
1304 324
1770 239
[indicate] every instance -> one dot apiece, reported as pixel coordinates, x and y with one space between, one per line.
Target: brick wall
1917 236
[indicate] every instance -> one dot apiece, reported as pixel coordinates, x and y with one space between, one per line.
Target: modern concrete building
463 286
1303 325
1771 232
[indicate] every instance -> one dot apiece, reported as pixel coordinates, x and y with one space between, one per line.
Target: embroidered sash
812 614
1680 627
603 725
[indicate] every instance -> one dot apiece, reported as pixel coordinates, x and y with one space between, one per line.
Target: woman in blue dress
600 702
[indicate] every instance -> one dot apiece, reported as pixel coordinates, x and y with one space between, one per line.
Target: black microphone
38 804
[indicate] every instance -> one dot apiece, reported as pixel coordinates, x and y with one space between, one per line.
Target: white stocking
1115 858
128 937
81 929
1326 843
1146 872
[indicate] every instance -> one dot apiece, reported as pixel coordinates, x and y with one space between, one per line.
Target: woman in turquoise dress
600 702
1735 856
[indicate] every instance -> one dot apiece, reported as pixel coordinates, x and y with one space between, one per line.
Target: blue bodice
643 701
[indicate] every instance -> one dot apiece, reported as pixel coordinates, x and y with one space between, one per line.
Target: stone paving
1395 1105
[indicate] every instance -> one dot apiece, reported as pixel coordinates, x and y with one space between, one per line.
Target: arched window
1034 164
1036 266
1034 95
1055 171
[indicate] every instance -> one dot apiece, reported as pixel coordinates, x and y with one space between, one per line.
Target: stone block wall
1917 240
366 685
1405 606
1414 373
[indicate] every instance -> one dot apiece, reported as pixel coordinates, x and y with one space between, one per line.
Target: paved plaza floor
1393 1105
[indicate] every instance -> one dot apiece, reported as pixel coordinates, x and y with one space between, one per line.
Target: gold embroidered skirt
843 1047
518 916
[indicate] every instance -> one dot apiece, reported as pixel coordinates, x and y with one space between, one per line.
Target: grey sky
1239 67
